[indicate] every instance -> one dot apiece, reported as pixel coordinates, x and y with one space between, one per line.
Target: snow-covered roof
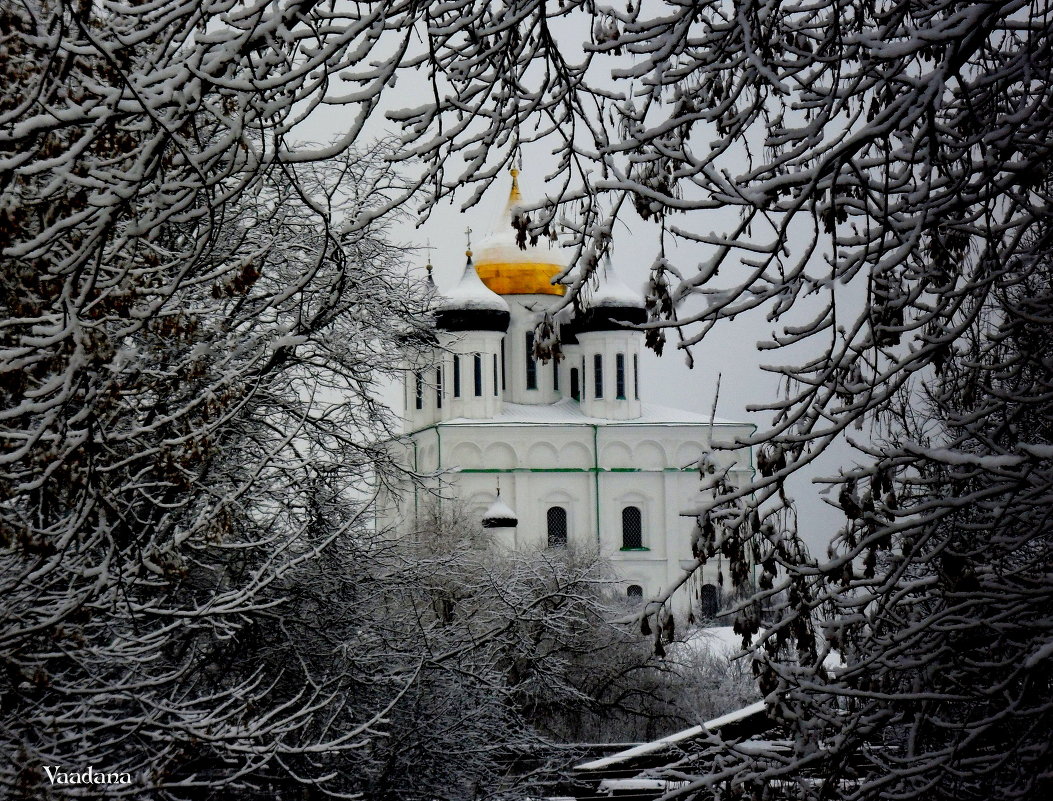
639 784
470 293
569 412
663 743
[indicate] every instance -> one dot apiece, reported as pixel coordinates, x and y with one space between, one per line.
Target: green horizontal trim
525 470
603 423
572 470
634 549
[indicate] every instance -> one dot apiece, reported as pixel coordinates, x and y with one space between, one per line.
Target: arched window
707 602
597 380
634 592
557 527
531 365
478 375
619 376
632 527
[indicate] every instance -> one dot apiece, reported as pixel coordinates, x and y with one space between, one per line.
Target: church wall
540 466
592 472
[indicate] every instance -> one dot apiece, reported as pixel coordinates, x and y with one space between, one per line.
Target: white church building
558 453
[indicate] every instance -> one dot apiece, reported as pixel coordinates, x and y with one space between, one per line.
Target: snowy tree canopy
192 345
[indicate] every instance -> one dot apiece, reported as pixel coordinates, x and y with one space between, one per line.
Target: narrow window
619 376
555 374
557 527
438 387
708 602
634 592
575 384
632 527
504 381
495 375
420 389
597 379
531 365
478 375
636 376
456 376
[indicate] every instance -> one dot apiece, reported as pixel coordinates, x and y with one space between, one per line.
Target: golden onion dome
508 269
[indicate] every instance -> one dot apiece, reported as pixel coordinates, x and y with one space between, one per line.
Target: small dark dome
607 318
612 307
500 515
471 305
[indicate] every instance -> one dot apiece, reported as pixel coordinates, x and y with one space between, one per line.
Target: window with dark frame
575 384
456 376
555 375
634 592
531 365
556 517
632 527
708 602
420 389
504 380
636 376
619 376
597 378
478 375
495 375
438 387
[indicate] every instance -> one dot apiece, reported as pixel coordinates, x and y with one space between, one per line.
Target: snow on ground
713 640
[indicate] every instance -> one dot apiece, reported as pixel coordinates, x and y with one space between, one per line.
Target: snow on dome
500 515
612 291
612 306
471 305
511 270
471 293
